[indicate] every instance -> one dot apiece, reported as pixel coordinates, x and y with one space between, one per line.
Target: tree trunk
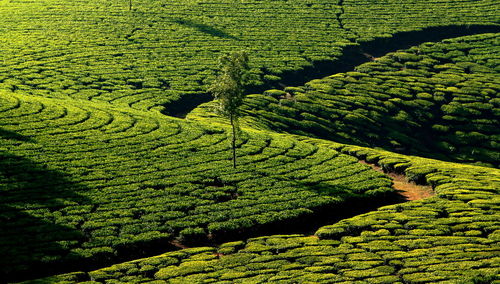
130 5
233 144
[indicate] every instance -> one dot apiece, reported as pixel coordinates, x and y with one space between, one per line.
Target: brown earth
408 190
178 244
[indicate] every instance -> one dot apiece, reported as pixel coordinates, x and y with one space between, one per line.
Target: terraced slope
374 19
91 174
437 100
451 238
83 184
164 50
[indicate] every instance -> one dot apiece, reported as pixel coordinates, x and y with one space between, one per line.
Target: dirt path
178 244
406 190
409 190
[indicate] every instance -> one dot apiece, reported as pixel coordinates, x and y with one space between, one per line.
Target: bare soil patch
408 190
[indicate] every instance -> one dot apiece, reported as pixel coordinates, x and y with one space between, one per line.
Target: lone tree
228 89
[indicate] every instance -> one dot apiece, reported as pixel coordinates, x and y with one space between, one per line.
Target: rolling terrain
437 100
120 182
100 183
450 238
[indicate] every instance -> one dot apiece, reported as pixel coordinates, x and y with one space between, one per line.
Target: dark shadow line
7 134
205 29
30 245
351 57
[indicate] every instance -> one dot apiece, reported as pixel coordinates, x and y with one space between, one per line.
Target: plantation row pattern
370 20
451 238
119 182
163 50
92 174
437 99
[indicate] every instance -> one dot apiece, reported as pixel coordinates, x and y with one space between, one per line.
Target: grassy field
95 179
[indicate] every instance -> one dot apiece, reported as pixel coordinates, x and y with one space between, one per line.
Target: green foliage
436 108
228 90
115 181
275 93
161 51
228 87
90 172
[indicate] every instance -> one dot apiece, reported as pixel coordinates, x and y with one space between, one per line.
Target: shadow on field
353 205
205 29
10 135
365 51
32 244
351 57
349 206
186 104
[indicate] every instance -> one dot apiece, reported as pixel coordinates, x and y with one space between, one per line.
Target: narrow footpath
405 191
409 190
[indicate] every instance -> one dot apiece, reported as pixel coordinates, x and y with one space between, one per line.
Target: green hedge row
450 238
437 100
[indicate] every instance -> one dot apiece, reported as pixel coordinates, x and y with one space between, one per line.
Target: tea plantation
438 100
161 51
100 183
88 183
451 238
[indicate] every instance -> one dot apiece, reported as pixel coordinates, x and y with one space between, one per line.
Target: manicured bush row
86 184
436 99
370 20
159 51
164 50
449 238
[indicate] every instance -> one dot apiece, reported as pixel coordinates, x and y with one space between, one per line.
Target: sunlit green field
99 185
438 100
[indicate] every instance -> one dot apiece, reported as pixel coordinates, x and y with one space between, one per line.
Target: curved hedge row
164 50
88 178
451 238
86 184
437 100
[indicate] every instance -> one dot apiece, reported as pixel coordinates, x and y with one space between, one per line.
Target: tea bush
446 109
90 183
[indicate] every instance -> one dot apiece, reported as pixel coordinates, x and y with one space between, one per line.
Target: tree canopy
228 89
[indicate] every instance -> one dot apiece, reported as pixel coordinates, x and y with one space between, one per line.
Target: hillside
450 238
103 181
162 51
438 100
92 184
